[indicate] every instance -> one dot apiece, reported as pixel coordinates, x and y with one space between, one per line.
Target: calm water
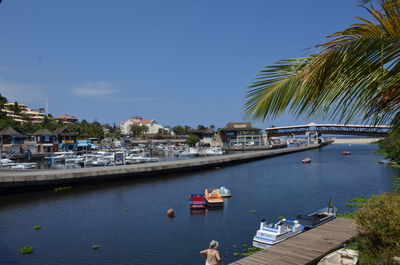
128 219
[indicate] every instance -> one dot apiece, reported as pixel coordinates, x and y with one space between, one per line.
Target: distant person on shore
211 255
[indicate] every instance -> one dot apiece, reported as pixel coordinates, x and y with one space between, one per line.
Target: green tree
179 130
138 130
391 145
3 100
378 221
354 75
192 140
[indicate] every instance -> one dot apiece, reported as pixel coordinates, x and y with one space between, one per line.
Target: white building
154 128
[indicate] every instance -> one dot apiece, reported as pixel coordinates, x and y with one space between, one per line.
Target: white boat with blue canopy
270 234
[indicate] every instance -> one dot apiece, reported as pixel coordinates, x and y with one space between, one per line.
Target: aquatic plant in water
247 251
95 246
62 188
37 227
26 250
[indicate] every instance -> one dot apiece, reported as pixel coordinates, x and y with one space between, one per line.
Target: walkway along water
308 247
35 178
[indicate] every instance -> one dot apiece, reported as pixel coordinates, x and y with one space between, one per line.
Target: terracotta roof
143 121
66 117
10 131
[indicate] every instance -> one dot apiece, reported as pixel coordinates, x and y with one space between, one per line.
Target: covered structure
11 141
46 141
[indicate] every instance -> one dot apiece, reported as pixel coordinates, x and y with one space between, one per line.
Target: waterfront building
21 113
205 135
240 134
65 118
66 139
46 142
153 126
11 140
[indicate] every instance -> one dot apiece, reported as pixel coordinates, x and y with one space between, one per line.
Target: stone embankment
39 178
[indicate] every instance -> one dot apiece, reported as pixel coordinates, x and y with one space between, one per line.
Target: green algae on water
37 227
95 247
26 250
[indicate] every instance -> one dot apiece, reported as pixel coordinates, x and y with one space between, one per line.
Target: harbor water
128 219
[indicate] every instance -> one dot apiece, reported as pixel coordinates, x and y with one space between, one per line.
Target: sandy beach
355 140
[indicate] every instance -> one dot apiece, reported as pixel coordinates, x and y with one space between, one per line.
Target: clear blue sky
175 61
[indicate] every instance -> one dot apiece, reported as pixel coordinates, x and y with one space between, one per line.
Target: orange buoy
171 212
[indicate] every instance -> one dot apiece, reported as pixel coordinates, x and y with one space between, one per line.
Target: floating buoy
171 212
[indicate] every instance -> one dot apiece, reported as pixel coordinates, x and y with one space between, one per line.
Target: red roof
142 121
66 117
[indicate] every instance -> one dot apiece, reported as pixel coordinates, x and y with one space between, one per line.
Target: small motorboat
341 256
213 198
270 234
306 160
346 153
319 217
197 201
224 192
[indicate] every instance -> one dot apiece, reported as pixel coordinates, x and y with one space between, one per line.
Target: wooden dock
306 248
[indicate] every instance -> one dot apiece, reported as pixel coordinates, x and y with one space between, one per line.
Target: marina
74 219
10 180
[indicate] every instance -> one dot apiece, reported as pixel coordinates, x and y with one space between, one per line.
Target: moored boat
319 217
224 192
197 201
270 234
346 153
213 198
306 160
341 256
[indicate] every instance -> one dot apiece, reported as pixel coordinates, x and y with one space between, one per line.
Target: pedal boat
306 160
346 153
213 198
271 234
224 192
197 201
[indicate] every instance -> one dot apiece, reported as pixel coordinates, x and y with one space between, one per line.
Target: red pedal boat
306 160
197 201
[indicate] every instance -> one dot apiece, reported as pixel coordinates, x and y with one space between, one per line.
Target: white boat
342 256
60 157
270 234
23 166
224 192
318 217
213 151
190 152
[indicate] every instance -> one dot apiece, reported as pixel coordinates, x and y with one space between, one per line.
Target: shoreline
14 181
355 140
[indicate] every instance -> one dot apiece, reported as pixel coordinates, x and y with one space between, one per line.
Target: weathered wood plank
306 247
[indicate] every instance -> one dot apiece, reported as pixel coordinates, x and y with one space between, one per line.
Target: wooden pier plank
306 247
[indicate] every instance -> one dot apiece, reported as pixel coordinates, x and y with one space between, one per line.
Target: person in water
211 255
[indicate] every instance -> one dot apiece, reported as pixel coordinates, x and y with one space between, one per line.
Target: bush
379 227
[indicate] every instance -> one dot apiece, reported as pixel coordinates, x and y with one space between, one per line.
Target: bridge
341 129
331 129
